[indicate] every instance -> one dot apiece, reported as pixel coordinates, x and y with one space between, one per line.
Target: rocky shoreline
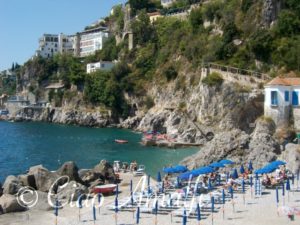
80 182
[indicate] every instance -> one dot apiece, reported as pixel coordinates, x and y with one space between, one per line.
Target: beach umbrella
243 189
288 188
177 182
226 162
116 205
216 165
158 177
117 190
99 201
293 179
131 198
243 186
212 209
56 211
250 166
163 187
235 174
198 213
288 185
184 217
277 163
80 205
227 176
94 213
242 169
209 184
131 185
138 215
277 199
156 211
185 176
251 185
202 170
223 201
180 169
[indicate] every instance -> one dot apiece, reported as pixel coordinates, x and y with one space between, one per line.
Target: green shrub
170 72
149 102
213 79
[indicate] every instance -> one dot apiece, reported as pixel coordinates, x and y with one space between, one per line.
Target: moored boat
120 141
104 189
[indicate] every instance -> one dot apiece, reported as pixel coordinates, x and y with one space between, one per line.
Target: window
287 96
295 98
274 98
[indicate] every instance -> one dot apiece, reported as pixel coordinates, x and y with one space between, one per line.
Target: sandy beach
256 210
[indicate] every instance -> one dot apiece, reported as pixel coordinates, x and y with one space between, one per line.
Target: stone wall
279 114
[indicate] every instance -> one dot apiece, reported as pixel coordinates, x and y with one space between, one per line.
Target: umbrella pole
233 205
223 212
79 214
56 220
116 218
155 219
171 218
244 198
212 218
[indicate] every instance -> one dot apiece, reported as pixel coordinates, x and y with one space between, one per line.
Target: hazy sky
22 22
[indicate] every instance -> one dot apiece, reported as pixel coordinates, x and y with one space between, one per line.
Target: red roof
287 81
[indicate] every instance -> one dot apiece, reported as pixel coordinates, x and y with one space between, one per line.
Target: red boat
119 141
105 189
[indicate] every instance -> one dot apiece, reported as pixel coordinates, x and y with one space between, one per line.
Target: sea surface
26 144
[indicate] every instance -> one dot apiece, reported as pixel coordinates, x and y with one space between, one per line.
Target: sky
23 22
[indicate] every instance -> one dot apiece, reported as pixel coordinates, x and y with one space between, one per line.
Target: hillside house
282 101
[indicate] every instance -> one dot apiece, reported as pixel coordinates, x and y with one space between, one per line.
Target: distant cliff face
271 10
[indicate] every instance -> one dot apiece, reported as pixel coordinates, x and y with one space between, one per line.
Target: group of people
280 175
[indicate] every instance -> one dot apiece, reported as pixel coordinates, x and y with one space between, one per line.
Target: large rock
9 204
11 185
69 169
71 191
292 156
1 190
44 179
27 180
105 170
260 147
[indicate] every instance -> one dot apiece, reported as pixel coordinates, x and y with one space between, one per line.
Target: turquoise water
26 144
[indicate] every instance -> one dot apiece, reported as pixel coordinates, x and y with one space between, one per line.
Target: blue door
295 98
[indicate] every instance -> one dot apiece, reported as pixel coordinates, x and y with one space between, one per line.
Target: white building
102 65
82 44
91 41
167 3
51 44
282 101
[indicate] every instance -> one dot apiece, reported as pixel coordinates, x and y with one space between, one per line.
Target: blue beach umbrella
243 186
94 213
56 211
209 184
226 162
117 190
277 195
293 179
138 215
56 208
231 192
216 165
177 182
219 179
156 207
277 163
163 187
212 204
180 169
131 185
131 198
223 196
288 185
198 213
116 205
242 169
251 181
250 166
184 217
158 177
235 174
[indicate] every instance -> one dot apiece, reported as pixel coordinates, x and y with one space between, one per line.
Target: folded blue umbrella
277 195
158 177
226 162
198 212
56 208
184 217
94 212
242 169
116 205
223 196
138 215
250 167
131 185
243 186
288 185
235 174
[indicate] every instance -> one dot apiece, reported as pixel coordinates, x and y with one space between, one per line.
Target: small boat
140 171
104 189
120 141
